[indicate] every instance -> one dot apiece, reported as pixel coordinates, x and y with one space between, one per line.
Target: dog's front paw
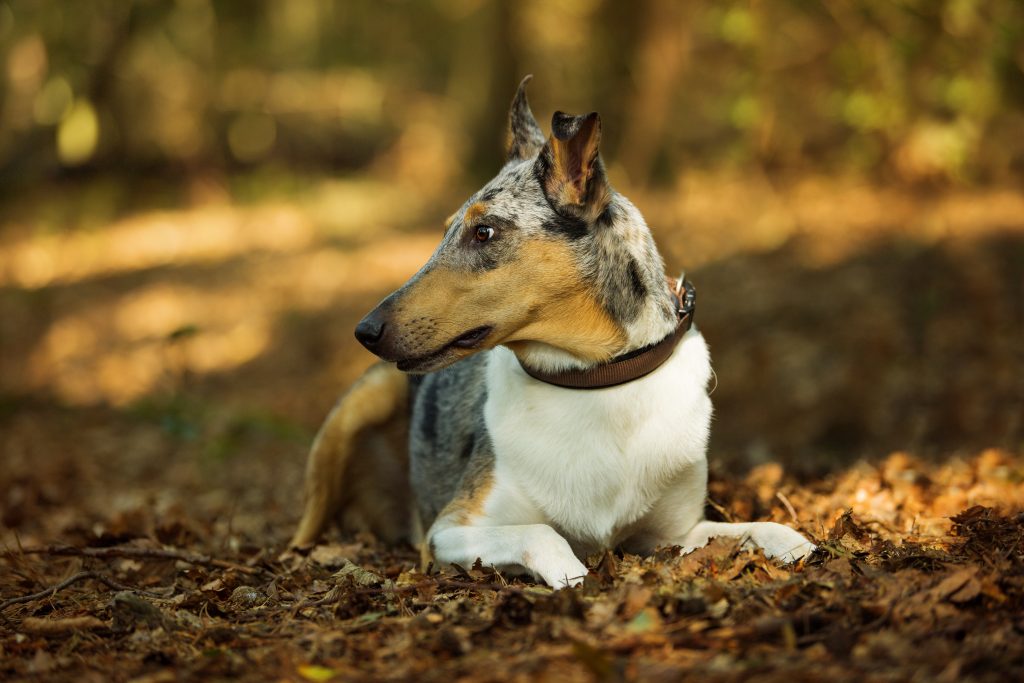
567 575
780 542
555 563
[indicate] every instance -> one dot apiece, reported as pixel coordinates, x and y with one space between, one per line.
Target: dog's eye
483 233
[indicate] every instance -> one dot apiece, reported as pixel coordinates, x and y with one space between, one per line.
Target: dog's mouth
438 359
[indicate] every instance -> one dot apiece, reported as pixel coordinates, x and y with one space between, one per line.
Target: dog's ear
570 168
525 136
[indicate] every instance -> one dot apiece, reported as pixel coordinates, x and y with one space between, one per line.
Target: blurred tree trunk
662 56
494 81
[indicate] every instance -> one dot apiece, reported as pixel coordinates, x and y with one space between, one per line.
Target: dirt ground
165 362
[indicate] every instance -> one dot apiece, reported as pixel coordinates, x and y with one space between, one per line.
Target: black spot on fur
566 126
607 216
566 226
636 282
622 285
490 194
542 166
467 449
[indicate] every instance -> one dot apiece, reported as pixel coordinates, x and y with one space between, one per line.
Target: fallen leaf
213 586
951 586
316 673
333 556
358 575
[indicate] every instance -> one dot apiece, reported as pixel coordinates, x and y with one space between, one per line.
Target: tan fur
573 164
358 462
558 183
465 508
558 308
571 319
474 212
462 509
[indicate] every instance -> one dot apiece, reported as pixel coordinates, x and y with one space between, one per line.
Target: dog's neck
628 279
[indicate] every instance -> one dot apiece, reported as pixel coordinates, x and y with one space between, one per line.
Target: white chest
592 463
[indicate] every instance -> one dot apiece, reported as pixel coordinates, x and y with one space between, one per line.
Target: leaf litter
885 594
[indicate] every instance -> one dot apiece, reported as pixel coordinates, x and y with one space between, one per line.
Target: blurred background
199 199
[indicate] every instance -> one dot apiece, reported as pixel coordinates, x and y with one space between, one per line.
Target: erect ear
525 136
570 169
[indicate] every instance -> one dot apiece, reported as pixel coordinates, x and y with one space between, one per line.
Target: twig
52 590
146 553
789 506
53 627
720 510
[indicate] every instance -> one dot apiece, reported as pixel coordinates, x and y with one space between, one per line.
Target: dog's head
522 260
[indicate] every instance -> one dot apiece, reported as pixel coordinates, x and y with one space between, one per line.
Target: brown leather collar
632 365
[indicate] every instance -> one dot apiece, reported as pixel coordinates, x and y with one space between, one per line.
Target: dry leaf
316 673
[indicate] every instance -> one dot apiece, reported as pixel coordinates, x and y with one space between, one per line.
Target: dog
545 376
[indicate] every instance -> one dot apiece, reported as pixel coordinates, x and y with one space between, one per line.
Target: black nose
369 331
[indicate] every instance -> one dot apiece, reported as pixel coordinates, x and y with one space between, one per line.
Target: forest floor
166 363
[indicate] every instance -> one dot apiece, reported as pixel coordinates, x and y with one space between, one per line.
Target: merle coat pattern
546 266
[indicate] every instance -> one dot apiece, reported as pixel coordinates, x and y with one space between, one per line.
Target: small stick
146 553
789 506
720 510
52 590
52 627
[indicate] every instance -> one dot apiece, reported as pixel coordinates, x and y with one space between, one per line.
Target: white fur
578 471
594 462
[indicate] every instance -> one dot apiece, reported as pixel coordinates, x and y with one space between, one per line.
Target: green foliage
919 89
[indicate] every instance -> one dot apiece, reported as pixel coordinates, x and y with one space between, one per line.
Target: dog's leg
536 547
464 532
776 540
374 399
682 507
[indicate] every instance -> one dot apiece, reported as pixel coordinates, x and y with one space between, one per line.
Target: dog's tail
357 470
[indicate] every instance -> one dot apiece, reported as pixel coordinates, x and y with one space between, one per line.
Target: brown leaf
956 582
334 556
967 592
635 599
213 586
718 553
358 576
